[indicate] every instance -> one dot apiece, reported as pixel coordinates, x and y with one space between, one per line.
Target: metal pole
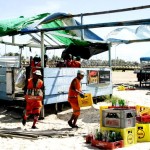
13 39
42 49
115 54
82 30
42 114
20 56
109 55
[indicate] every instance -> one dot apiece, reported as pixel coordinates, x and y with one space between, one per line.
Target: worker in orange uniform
76 63
74 91
68 61
33 97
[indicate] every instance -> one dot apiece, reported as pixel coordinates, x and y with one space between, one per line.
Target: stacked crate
119 119
143 123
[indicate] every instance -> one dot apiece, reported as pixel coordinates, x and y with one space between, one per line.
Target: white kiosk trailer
54 31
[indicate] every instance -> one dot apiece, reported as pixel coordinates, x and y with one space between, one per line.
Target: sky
129 52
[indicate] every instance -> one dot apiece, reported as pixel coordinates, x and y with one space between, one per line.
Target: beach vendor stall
49 32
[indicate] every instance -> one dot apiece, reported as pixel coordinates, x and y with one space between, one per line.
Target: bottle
99 136
113 136
96 134
103 136
118 136
129 115
110 138
108 115
117 103
113 102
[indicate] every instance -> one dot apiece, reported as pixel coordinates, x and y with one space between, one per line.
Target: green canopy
68 38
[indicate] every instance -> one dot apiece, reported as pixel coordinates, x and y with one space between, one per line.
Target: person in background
60 63
33 97
75 90
68 61
35 63
76 63
45 60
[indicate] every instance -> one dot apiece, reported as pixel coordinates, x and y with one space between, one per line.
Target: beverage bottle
118 136
113 136
100 136
110 137
96 134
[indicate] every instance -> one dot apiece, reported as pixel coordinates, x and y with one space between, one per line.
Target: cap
37 58
37 72
81 72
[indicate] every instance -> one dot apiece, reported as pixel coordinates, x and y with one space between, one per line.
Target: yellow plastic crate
101 108
121 88
129 135
142 109
87 101
143 132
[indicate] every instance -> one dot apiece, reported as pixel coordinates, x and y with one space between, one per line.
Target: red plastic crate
138 118
89 138
107 145
122 107
145 119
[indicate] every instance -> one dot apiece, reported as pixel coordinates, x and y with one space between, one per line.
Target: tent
70 39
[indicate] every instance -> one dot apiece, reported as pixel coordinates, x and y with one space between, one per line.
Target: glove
82 95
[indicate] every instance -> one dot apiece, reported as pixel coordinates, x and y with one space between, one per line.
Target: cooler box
86 101
129 135
143 132
118 118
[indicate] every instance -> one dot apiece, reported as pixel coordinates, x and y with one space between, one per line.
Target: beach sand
54 132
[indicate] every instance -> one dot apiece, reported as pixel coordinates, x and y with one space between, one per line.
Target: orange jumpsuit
34 66
72 96
33 99
76 64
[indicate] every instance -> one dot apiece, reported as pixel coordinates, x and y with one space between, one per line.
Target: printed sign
93 76
112 122
140 133
97 77
130 138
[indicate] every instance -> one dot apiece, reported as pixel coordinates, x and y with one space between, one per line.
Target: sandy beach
54 132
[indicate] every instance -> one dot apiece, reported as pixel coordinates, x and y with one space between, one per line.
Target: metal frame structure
41 43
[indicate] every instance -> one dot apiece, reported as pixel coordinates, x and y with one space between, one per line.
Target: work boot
23 121
70 124
75 126
71 119
34 127
75 121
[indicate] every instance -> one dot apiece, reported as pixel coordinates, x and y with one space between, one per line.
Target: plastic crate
89 138
107 145
122 107
129 135
86 101
114 107
142 110
143 132
145 119
101 109
119 118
